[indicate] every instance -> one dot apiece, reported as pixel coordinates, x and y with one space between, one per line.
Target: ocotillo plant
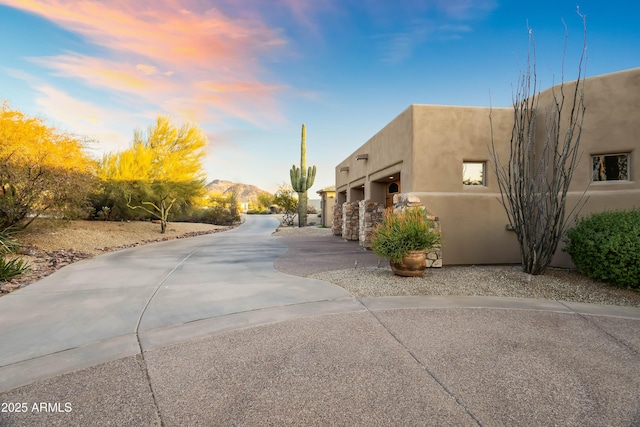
302 179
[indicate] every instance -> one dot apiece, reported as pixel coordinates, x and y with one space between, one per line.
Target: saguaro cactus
302 179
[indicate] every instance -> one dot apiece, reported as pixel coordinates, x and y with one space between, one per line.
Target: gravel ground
498 281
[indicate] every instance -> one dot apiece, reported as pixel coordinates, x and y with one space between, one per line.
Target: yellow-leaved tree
42 169
162 169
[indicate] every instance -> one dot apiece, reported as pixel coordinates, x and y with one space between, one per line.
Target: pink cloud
166 53
98 72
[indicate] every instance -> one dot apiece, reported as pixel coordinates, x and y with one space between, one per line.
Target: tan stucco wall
473 228
611 126
389 151
429 143
445 137
473 221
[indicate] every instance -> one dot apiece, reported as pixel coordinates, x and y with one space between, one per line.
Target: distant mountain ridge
245 192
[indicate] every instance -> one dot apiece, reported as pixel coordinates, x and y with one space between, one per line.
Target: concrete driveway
116 304
205 331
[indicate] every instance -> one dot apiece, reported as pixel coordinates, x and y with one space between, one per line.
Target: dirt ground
95 237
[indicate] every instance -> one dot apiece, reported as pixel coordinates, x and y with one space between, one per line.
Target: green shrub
220 216
606 247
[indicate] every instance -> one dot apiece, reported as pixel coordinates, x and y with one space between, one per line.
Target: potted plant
404 238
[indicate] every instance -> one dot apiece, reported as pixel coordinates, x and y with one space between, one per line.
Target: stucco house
441 155
327 200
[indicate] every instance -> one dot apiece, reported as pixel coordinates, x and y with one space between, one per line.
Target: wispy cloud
465 9
424 21
101 124
167 53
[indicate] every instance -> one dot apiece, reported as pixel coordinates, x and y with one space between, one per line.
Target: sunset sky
250 72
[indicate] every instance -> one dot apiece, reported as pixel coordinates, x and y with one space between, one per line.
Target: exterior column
336 227
369 214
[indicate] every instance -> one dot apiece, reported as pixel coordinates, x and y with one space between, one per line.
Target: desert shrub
287 202
219 215
311 209
409 230
606 247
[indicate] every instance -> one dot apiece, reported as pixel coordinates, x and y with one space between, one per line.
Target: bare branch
535 177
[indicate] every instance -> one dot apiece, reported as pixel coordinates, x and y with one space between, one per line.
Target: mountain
245 192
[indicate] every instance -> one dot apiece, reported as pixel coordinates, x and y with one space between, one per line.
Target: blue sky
250 72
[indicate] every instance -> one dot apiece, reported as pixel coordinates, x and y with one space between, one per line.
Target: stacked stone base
350 221
357 220
370 214
336 228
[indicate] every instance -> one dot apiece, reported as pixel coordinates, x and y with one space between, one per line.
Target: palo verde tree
42 170
535 173
302 179
161 170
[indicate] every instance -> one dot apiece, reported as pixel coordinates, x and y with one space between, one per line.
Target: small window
610 167
473 173
393 188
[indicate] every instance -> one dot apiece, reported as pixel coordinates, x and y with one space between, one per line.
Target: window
610 167
473 173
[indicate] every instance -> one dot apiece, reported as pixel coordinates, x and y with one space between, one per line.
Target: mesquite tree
302 179
535 174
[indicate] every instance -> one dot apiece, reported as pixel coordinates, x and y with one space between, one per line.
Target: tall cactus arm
303 149
311 176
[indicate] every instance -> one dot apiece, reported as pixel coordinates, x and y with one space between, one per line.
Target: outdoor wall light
362 156
344 169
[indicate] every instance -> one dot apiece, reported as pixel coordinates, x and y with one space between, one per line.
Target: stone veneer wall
406 200
350 220
370 214
336 228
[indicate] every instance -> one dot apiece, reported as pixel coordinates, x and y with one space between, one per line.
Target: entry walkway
205 331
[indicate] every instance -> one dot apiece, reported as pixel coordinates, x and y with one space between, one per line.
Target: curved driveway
116 304
473 361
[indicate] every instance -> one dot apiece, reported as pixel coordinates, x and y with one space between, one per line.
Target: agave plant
7 242
13 267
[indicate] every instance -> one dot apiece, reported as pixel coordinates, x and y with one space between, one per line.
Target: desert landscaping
50 245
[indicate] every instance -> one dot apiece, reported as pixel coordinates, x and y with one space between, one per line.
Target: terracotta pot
413 264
